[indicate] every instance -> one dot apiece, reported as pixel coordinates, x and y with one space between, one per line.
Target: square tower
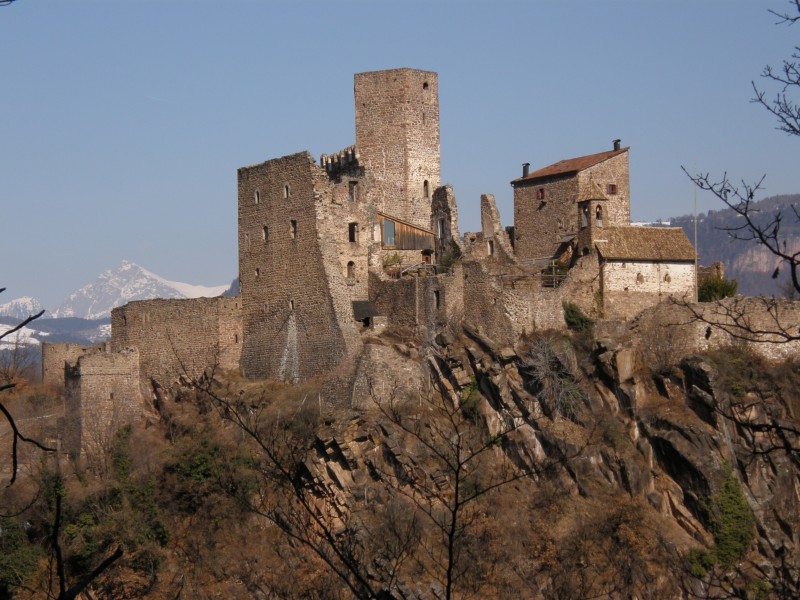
397 140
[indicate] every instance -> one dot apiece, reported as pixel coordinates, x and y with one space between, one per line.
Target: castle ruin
333 250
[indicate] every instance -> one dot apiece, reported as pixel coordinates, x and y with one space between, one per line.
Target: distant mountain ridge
21 308
747 261
126 283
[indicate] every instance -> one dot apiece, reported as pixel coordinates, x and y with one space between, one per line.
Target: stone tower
397 140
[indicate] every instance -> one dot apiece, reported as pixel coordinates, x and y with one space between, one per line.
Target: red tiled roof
662 244
572 165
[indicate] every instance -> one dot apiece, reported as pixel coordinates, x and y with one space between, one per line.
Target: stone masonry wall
102 395
56 356
539 224
397 140
176 337
444 221
630 287
755 322
296 318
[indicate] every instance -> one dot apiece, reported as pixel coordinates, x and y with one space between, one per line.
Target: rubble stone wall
102 395
179 337
630 287
55 357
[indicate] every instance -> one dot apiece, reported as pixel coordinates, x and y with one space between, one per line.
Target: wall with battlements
179 337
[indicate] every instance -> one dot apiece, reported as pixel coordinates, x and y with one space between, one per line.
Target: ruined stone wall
56 356
295 305
581 287
425 304
397 140
444 222
176 337
630 287
497 245
500 313
762 324
540 224
102 395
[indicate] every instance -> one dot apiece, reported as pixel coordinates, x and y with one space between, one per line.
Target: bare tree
755 226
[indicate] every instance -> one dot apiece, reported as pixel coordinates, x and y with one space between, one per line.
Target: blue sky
123 122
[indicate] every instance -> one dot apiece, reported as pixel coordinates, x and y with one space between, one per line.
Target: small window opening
425 86
258 273
599 216
491 247
426 189
111 396
235 338
293 229
611 189
441 229
285 192
585 216
388 232
351 270
639 278
352 190
265 233
437 299
667 278
291 304
540 194
352 232
258 197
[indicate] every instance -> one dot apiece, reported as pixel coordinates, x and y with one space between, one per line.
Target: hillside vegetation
565 467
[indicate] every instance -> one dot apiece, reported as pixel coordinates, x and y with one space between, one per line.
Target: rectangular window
352 189
352 232
540 194
437 299
293 229
611 189
441 229
491 248
388 232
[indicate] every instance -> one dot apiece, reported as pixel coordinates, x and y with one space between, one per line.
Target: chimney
616 144
525 168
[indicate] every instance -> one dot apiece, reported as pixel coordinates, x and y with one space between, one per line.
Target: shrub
575 318
732 522
716 288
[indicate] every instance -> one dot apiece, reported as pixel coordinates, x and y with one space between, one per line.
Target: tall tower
397 140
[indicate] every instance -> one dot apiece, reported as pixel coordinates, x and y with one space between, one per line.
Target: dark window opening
258 197
265 233
235 338
437 299
351 270
585 216
291 304
293 229
352 189
540 194
491 247
611 189
258 273
598 213
426 189
285 191
352 232
425 86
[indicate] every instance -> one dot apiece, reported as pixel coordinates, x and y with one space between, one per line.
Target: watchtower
397 140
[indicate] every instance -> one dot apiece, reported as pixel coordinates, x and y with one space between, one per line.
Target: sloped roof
572 165
666 244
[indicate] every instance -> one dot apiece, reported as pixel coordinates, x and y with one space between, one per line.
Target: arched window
598 213
265 233
351 270
257 197
426 192
286 191
585 216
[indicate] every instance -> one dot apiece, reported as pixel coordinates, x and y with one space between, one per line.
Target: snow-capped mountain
21 308
119 286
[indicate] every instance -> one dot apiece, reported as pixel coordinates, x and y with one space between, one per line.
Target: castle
333 251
